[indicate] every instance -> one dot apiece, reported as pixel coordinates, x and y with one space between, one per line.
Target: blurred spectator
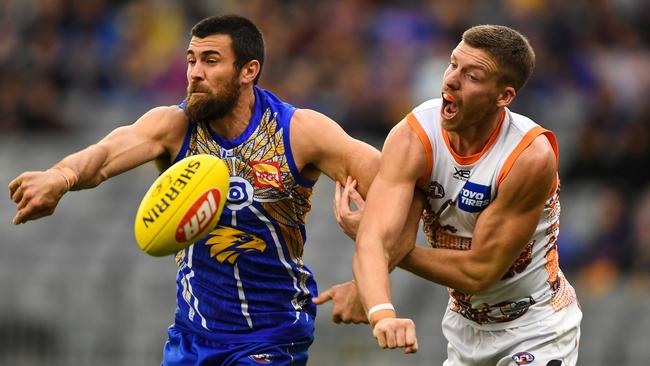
610 251
640 265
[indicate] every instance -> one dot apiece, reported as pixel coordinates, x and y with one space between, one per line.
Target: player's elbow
481 285
398 250
478 280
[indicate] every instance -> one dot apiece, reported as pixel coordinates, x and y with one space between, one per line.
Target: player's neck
234 123
473 139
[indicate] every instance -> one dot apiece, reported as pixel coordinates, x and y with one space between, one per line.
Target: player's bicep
507 225
391 194
147 139
318 141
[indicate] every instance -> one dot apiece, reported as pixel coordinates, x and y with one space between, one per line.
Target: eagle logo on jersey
227 244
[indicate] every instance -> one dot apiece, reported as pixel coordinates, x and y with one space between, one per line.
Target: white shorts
552 341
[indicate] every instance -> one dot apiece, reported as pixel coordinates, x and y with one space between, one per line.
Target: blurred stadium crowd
366 64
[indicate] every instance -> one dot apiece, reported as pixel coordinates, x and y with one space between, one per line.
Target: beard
210 106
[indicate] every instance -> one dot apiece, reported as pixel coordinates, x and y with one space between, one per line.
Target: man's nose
451 80
196 72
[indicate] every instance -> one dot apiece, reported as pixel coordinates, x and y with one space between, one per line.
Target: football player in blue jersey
243 292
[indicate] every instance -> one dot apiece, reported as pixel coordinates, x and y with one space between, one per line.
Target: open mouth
449 106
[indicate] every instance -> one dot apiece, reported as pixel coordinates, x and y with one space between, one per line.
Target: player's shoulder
308 122
520 123
164 118
428 105
167 124
539 153
169 114
426 113
310 116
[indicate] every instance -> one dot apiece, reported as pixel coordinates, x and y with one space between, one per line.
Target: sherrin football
182 205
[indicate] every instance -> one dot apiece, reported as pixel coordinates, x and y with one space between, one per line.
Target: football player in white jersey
491 216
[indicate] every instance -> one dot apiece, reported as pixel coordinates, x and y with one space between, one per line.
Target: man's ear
249 71
506 96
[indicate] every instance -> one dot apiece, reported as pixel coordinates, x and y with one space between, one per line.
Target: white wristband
379 307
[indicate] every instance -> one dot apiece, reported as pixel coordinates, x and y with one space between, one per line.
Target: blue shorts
185 349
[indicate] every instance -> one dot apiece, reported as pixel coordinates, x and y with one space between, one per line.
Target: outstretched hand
347 218
36 194
347 307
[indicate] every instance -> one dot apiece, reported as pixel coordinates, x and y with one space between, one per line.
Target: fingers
323 297
31 212
336 202
412 349
411 340
345 198
391 338
17 219
400 338
16 192
13 185
357 199
396 333
380 335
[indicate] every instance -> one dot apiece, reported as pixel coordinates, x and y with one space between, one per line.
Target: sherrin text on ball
182 205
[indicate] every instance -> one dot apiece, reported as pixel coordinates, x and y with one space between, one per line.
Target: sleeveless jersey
459 188
246 281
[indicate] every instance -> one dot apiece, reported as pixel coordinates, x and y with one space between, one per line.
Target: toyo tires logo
198 216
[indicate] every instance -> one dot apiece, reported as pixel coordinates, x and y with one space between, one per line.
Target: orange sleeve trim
471 159
528 139
426 143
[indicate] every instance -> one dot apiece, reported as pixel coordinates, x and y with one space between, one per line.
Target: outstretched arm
386 213
155 135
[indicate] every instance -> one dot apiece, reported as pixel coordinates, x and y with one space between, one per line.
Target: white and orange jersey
459 188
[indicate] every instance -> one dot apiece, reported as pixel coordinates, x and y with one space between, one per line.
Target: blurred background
74 288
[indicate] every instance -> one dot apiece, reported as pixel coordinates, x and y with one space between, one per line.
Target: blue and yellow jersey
246 281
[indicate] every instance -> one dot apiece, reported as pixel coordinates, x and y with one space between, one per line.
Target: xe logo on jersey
267 174
462 174
474 197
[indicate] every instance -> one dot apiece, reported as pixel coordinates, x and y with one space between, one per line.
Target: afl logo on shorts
261 358
523 358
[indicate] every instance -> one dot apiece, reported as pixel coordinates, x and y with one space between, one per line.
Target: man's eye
191 62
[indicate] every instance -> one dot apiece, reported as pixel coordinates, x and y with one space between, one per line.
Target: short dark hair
247 41
510 49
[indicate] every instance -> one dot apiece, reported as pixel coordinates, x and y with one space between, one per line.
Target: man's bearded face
204 104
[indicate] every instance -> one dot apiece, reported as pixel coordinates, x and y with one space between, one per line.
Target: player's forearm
459 270
87 166
399 248
370 268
